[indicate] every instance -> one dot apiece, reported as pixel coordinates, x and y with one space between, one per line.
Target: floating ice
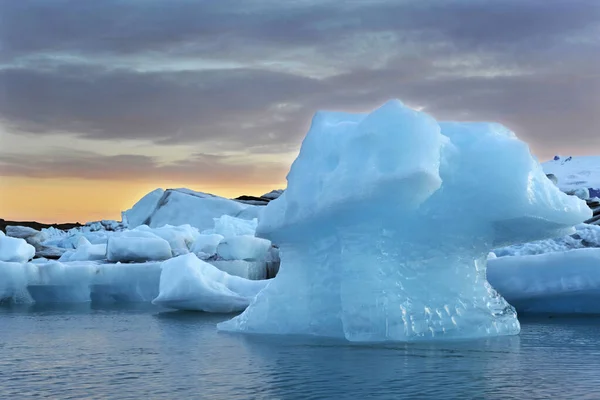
575 174
126 248
565 282
140 213
183 206
228 226
386 224
13 282
244 247
180 238
253 270
15 249
188 283
205 245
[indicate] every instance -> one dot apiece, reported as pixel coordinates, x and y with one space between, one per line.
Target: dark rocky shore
37 225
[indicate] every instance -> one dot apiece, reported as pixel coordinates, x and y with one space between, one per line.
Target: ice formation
564 282
244 247
125 248
188 283
15 249
205 245
386 224
576 174
183 206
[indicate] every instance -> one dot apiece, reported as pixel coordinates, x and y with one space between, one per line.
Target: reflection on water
141 351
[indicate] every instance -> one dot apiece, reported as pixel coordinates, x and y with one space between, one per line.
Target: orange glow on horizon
79 200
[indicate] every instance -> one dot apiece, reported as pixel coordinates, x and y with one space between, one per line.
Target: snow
576 173
188 283
354 228
125 248
15 249
244 247
565 282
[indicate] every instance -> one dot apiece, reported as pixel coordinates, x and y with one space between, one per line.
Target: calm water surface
143 352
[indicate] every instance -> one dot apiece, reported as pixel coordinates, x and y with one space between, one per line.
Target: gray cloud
132 26
201 169
531 65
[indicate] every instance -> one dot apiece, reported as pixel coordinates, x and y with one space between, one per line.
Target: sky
104 101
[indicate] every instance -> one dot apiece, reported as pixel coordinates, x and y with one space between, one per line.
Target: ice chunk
15 250
244 247
228 226
254 270
387 222
585 236
125 248
56 282
180 238
85 252
183 206
559 282
140 213
13 282
205 246
126 283
577 173
188 283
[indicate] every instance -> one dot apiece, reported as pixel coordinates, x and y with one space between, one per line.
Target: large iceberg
183 206
386 224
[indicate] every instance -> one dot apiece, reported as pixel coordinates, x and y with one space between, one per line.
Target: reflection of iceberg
386 223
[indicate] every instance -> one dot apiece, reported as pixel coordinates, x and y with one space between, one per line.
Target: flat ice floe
564 282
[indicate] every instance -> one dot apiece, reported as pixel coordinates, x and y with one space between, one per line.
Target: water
147 353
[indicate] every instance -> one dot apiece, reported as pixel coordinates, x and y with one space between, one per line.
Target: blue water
147 353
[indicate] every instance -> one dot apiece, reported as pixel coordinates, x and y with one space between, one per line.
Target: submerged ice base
386 224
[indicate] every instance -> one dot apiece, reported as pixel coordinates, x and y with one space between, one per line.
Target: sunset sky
103 101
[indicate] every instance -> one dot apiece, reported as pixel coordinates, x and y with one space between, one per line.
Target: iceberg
183 206
205 245
386 223
188 283
563 282
128 248
15 249
244 247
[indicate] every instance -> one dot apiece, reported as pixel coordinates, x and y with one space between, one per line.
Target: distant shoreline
38 225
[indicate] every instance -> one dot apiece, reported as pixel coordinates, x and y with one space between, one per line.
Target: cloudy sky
102 101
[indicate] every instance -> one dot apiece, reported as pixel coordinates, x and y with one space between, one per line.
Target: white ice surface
244 247
124 248
15 249
188 283
205 245
564 282
579 172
